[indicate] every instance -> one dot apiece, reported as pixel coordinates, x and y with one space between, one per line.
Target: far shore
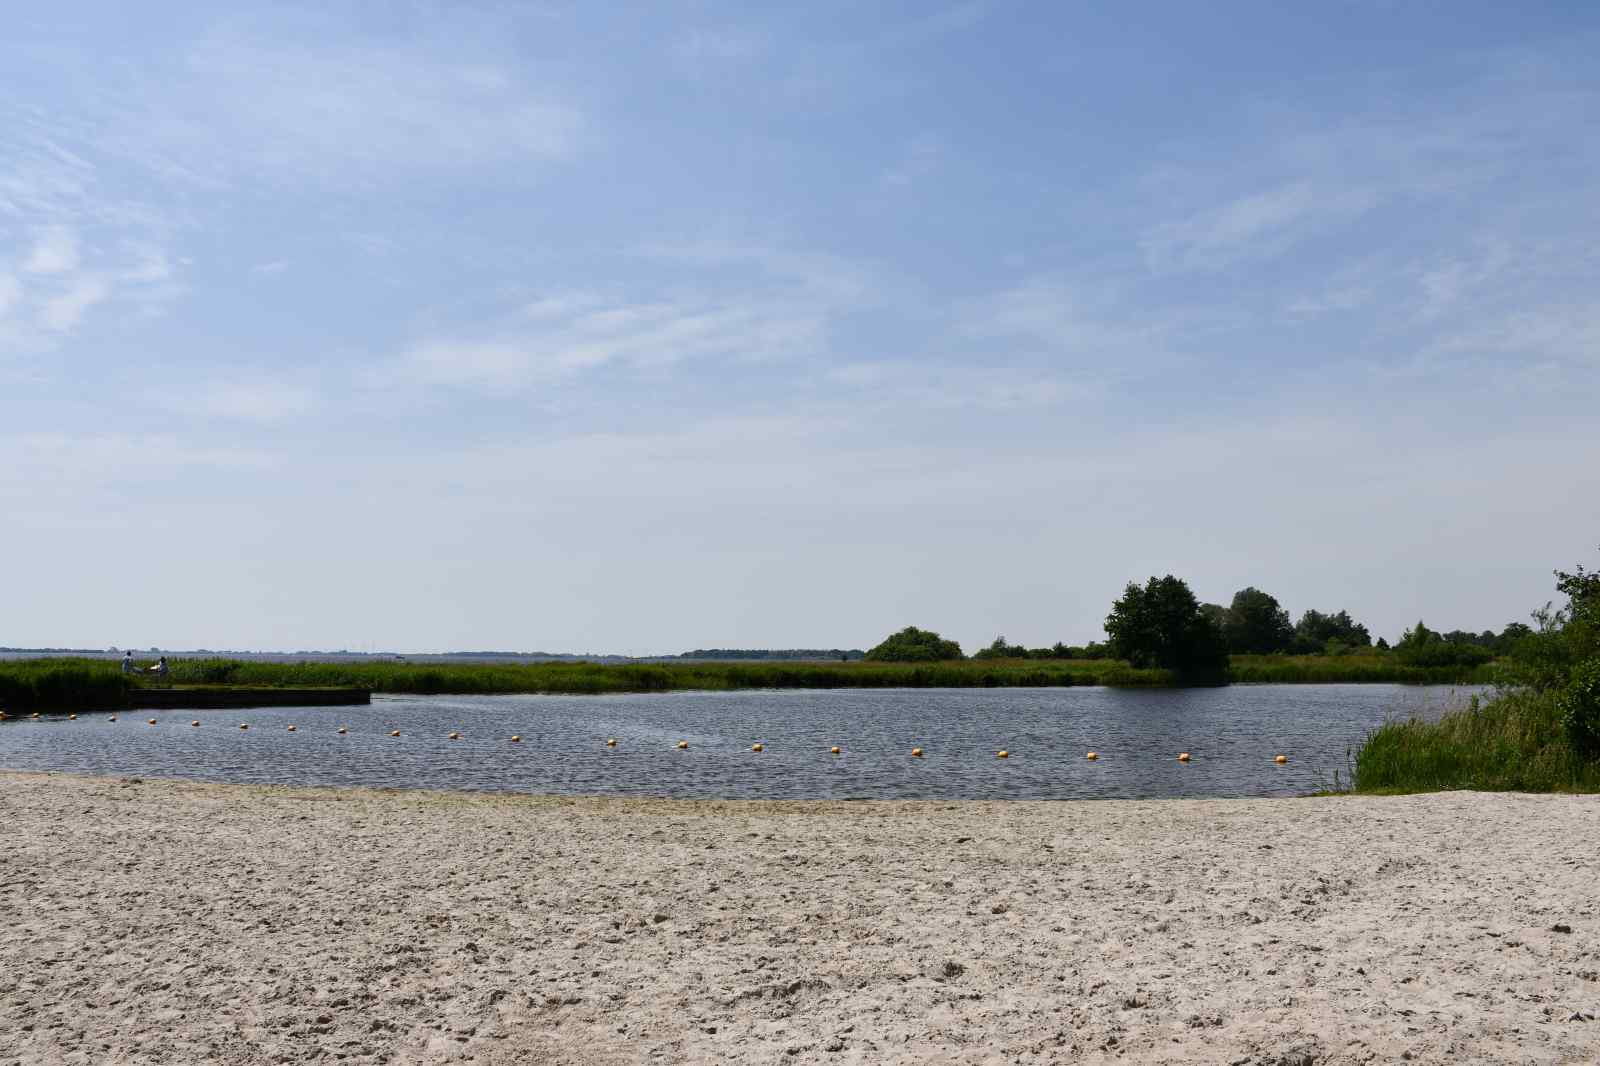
85 684
184 922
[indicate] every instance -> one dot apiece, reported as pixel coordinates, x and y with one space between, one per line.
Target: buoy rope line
611 742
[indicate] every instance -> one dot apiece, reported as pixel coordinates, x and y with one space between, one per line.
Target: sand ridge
172 922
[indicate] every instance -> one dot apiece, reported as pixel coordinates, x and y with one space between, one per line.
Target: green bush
1580 710
913 645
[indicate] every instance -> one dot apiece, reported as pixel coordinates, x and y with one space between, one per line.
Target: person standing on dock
160 668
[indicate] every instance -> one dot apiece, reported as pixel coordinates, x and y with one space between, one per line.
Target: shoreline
184 921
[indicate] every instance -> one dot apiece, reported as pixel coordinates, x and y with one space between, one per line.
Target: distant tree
1315 629
1002 650
1255 624
913 645
1162 624
1383 644
1421 646
1506 642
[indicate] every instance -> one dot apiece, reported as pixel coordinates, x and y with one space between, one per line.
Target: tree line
1163 624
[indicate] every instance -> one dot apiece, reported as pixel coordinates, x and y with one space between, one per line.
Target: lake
1232 734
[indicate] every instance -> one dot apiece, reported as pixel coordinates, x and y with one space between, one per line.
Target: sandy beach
167 922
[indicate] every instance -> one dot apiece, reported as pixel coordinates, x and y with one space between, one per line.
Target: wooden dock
214 697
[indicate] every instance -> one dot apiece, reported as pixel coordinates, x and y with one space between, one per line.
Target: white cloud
152 266
62 313
725 44
920 157
1054 315
10 293
243 108
270 270
259 400
55 252
903 384
1257 225
721 301
659 333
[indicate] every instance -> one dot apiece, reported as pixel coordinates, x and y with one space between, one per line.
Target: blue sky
641 327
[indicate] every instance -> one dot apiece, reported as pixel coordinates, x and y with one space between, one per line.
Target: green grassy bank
98 683
1541 731
1513 742
34 683
1369 668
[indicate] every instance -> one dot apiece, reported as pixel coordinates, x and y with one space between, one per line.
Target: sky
641 327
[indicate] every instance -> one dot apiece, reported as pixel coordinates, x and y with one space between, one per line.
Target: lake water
1232 734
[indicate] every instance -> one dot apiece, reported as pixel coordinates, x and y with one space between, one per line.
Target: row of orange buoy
683 745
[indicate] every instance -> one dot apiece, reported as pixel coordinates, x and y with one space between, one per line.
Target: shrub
913 645
1580 710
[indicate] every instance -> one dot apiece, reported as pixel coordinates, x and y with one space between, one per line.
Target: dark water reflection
1232 732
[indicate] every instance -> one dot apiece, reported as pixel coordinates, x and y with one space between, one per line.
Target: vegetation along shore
1539 733
90 683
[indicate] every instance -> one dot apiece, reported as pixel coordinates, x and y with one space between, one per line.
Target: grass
1354 669
100 683
67 682
61 683
582 677
1513 742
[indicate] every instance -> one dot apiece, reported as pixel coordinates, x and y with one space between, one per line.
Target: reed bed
1371 668
584 677
1513 742
90 683
50 683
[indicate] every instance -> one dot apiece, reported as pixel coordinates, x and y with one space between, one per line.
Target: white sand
185 923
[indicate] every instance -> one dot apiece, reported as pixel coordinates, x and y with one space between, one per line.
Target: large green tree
1315 631
1162 624
1256 624
913 645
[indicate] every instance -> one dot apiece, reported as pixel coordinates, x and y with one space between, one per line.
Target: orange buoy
1281 759
244 725
196 722
833 750
682 744
1002 754
343 731
516 740
1183 756
757 747
394 733
152 721
916 753
291 729
1092 756
455 736
72 718
611 742
113 718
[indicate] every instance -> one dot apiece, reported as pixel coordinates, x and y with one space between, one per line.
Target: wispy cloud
1254 226
719 301
10 293
251 400
720 45
55 252
62 313
341 112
